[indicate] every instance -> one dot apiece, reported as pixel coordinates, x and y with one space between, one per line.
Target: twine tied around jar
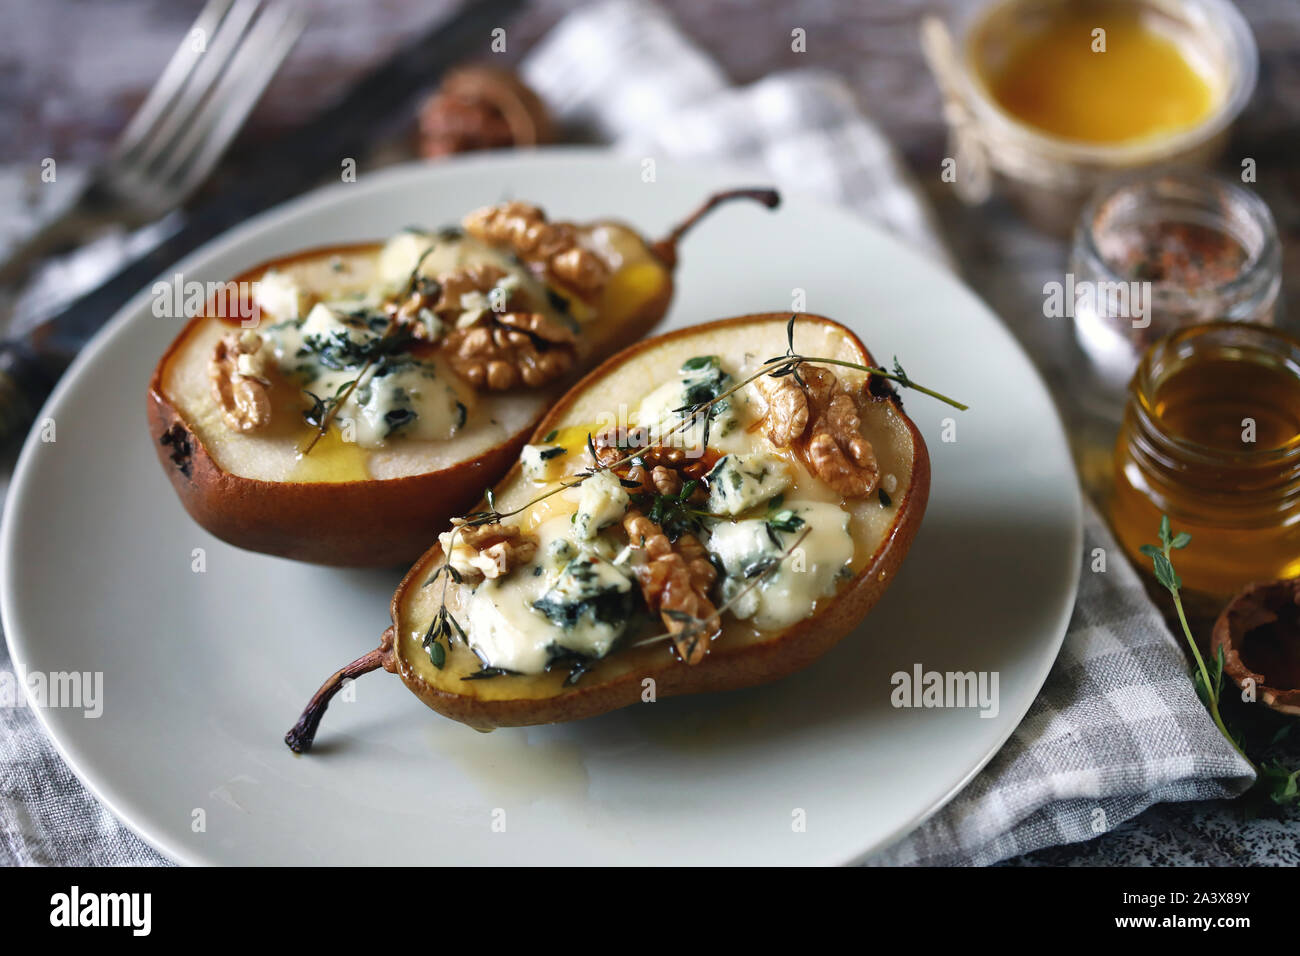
974 178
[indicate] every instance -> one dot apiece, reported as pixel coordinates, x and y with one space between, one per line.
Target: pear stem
303 733
666 248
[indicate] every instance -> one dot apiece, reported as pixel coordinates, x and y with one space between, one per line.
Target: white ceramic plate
204 672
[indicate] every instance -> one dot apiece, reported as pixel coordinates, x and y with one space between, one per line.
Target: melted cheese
396 396
576 597
699 379
788 593
412 399
505 631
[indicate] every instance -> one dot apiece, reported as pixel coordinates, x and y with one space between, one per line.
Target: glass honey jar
1211 437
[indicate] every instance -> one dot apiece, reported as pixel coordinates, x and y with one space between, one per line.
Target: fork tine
209 69
172 79
266 45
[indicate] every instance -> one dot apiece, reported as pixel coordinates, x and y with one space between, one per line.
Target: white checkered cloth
622 72
1117 726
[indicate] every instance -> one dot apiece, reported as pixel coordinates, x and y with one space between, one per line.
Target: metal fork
182 128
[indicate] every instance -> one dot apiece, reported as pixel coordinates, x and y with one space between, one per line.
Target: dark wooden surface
71 71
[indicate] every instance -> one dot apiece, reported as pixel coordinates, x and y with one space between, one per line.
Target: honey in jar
1211 437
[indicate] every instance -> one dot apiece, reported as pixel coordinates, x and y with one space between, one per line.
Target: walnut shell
1259 632
482 107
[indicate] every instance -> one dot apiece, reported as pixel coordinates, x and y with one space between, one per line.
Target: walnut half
443 299
821 420
675 581
504 350
238 378
658 469
552 246
488 550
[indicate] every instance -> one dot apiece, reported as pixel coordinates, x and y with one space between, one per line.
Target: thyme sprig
789 363
326 414
1273 779
777 367
674 513
322 406
1162 562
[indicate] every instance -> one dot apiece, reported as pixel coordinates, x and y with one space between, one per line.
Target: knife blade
31 364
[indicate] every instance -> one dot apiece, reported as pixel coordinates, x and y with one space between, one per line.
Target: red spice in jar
1185 254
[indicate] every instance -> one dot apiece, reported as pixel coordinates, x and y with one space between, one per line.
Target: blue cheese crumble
602 502
740 482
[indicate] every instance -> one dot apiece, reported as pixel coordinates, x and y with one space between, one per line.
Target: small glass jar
1047 176
1180 248
1211 438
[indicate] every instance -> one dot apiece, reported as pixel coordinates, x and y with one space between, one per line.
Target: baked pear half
342 404
710 509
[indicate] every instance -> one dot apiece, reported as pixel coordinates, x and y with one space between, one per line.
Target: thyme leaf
1273 781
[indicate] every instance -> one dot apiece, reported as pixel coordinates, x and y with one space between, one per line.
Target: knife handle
24 385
